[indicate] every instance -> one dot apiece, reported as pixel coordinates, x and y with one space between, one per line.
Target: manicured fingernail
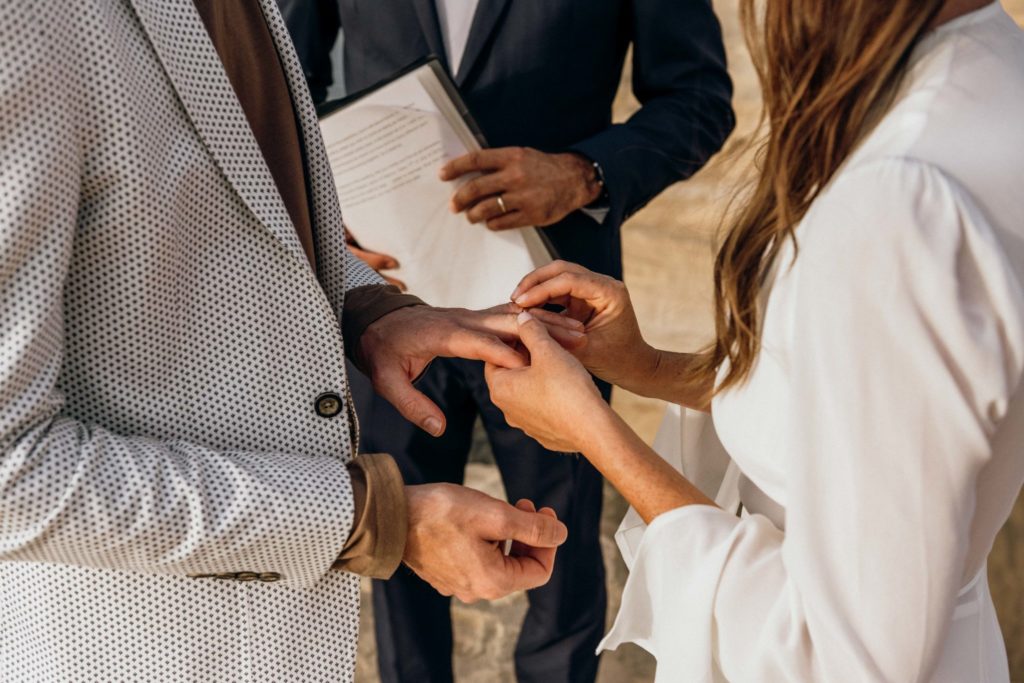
432 426
524 317
515 294
521 299
574 333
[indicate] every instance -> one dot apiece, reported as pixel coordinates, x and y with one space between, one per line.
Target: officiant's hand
615 350
456 538
519 186
396 349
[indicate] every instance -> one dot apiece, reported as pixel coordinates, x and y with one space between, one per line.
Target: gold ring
501 205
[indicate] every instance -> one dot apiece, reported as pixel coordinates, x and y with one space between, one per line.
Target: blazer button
328 405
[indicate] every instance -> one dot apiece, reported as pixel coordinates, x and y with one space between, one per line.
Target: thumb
533 333
395 387
534 529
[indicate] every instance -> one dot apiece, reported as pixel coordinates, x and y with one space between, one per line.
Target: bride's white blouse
881 435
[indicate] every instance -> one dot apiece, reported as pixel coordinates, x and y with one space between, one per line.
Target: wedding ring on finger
501 205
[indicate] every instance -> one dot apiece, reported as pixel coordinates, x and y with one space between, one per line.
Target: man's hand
456 539
397 348
534 188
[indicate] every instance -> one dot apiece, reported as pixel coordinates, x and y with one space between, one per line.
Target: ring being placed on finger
501 204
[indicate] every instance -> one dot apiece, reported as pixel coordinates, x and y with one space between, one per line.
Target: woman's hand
554 400
615 350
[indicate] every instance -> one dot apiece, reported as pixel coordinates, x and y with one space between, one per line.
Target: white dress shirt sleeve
902 349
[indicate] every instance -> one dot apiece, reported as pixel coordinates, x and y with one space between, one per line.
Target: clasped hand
456 535
554 399
535 188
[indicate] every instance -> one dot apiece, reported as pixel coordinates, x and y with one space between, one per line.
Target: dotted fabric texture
162 344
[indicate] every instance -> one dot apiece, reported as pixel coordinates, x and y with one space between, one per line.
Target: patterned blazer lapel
326 212
328 228
193 67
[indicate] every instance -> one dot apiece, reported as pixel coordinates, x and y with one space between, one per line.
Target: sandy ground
668 257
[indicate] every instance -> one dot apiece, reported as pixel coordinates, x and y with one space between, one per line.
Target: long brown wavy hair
827 69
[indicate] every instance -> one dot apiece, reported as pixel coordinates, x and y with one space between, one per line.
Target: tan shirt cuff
377 542
366 305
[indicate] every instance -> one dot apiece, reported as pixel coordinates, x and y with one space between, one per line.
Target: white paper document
385 150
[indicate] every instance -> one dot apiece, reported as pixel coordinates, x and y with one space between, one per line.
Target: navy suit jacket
544 73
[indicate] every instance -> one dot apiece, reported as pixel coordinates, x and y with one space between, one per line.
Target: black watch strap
602 201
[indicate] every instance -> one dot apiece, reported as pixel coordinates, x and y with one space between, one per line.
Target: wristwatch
602 201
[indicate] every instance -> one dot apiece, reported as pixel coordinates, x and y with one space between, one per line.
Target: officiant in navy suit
539 76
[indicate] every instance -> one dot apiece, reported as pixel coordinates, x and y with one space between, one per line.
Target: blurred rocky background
668 254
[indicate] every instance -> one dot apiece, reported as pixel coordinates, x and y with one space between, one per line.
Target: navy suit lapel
426 10
488 14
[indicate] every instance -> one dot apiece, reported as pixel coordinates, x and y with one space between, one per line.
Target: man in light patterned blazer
178 494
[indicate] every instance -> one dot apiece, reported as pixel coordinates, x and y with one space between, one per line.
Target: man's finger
375 260
502 321
552 319
479 161
531 528
501 324
474 345
414 406
476 189
529 570
396 282
501 309
545 272
533 334
515 547
490 208
508 221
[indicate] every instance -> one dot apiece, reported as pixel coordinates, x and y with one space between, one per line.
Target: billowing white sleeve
903 330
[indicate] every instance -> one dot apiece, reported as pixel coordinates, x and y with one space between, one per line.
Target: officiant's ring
501 205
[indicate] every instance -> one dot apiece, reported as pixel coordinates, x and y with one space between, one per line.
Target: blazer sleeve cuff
379 533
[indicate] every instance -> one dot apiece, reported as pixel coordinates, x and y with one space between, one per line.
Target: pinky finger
508 221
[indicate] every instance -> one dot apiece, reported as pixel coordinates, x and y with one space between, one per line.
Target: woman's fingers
474 345
588 287
501 321
555 320
546 273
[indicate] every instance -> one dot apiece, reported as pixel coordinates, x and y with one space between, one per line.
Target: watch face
602 199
